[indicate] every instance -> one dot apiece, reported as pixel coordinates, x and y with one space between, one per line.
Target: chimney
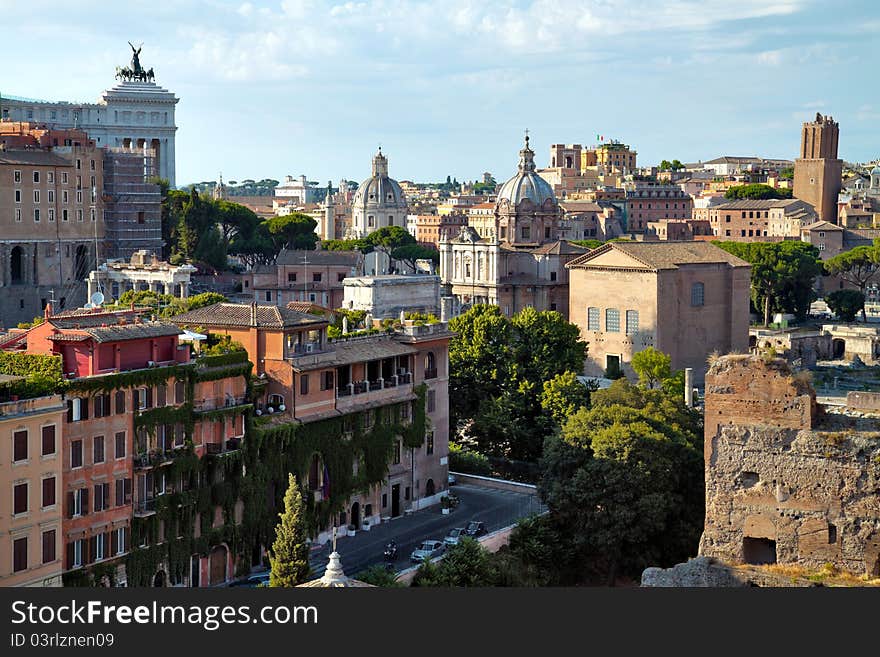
254 313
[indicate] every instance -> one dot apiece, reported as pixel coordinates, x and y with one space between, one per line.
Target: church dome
526 184
876 170
379 191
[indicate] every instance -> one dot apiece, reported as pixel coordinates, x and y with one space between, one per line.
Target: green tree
858 266
234 219
204 299
347 245
293 231
409 253
652 366
466 564
782 275
787 173
590 244
846 304
378 576
757 191
564 395
289 558
389 238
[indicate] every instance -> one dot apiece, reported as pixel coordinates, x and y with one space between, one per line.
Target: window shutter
114 544
92 543
70 503
85 501
128 491
98 505
106 495
120 492
108 539
120 401
149 398
134 399
84 408
70 410
70 555
98 407
126 539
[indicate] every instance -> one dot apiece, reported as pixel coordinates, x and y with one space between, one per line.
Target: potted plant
445 505
365 525
351 530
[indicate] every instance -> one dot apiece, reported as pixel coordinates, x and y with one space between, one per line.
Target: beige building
752 220
31 547
615 156
686 299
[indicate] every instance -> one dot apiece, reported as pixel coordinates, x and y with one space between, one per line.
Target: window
291 277
64 181
141 398
79 215
19 499
593 319
49 546
77 553
20 446
19 554
16 176
161 394
430 402
304 384
120 540
697 294
316 277
370 221
552 275
179 392
120 492
120 445
51 214
36 215
396 452
79 196
50 177
120 401
76 454
48 492
64 197
821 246
64 216
632 322
268 295
48 440
93 214
36 176
327 380
612 320
429 443
340 277
98 449
102 496
526 232
36 196
18 214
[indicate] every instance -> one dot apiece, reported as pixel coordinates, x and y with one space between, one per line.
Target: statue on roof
135 71
135 60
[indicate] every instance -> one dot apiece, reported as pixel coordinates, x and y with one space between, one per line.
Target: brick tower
817 171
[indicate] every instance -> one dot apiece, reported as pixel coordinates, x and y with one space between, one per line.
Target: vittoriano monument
135 71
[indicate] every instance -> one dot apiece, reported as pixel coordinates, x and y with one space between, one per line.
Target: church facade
520 260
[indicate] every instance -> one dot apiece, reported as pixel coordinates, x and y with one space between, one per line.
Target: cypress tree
289 558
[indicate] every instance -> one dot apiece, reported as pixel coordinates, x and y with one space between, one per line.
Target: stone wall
779 488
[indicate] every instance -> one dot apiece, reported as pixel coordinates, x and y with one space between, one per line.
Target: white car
427 550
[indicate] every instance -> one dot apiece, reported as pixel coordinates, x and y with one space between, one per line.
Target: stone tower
817 172
329 214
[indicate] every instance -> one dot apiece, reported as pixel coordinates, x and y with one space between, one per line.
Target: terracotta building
31 547
649 203
686 299
817 171
308 381
753 220
312 276
427 228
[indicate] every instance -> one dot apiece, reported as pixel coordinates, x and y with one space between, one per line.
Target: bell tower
817 172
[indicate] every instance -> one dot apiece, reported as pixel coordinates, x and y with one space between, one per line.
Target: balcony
219 449
379 390
156 458
431 373
143 508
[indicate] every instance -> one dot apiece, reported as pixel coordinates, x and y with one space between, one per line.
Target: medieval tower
817 171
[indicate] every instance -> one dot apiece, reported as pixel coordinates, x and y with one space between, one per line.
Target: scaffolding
133 204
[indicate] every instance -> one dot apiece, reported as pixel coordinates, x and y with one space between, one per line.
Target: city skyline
291 88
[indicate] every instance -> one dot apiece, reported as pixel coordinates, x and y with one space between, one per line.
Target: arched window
430 366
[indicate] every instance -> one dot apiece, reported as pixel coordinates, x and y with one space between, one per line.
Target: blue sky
308 87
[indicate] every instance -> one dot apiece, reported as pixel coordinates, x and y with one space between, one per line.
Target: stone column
168 288
689 387
184 290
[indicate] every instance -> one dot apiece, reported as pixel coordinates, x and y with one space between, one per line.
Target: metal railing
145 507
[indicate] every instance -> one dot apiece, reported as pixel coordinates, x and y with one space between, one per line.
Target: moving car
427 550
257 579
454 536
475 528
450 479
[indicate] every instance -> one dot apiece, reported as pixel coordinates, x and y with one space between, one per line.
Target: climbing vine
151 376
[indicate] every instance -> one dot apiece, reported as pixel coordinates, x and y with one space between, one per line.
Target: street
496 508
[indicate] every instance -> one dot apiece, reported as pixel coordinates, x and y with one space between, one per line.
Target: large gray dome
526 184
379 191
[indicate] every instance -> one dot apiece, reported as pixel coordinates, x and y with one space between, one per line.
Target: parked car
454 536
475 528
427 550
257 579
450 479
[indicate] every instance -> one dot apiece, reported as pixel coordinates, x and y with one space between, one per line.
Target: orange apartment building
428 227
31 547
310 378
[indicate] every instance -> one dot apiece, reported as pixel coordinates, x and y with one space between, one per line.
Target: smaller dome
876 170
526 184
379 191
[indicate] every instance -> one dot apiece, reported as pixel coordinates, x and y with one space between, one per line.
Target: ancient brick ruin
788 481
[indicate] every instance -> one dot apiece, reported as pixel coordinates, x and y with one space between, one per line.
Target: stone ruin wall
778 484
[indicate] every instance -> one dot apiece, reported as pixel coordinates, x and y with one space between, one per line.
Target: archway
16 266
218 565
429 488
81 263
838 347
160 579
356 514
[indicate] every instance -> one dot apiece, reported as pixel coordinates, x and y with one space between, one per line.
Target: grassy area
827 575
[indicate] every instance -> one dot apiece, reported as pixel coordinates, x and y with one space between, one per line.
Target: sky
269 89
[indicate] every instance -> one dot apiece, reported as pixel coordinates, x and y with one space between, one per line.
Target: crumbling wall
778 490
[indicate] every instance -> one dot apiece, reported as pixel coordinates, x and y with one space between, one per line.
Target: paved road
496 508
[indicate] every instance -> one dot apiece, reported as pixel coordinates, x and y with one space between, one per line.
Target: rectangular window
120 492
18 214
51 214
120 401
36 196
20 446
78 552
36 176
430 403
48 440
327 380
19 554
49 546
593 319
19 499
396 451
93 214
16 176
64 181
79 215
64 215
304 384
552 275
98 449
50 177
161 394
526 232
429 443
36 215
632 322
18 196
612 320
76 454
291 277
48 492
179 392
316 278
697 294
120 445
340 277
120 540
